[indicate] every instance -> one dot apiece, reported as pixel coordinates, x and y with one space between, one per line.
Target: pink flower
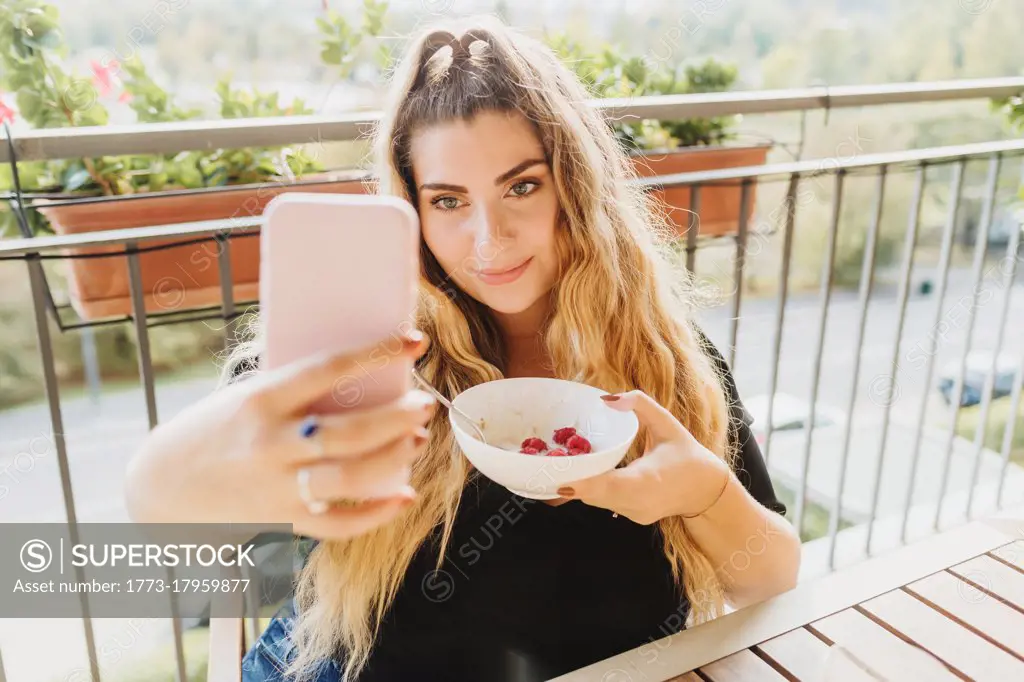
125 97
104 77
6 114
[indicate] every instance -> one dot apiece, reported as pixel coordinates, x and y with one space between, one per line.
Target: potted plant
144 190
662 147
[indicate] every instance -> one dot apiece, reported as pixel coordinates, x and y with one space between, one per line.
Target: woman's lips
495 277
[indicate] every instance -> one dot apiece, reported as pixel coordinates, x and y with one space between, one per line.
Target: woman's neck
524 341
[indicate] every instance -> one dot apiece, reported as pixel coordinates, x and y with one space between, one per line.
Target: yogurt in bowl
508 411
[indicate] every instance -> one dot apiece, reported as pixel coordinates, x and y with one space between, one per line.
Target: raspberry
564 434
530 451
579 443
535 443
558 452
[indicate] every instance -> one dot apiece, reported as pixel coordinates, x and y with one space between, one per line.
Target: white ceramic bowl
511 410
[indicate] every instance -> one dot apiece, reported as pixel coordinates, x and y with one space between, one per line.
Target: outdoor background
189 46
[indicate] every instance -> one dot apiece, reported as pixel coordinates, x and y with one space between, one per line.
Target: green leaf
331 55
96 115
157 181
75 180
49 39
29 104
218 178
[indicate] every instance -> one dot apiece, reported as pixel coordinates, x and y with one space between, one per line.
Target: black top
529 591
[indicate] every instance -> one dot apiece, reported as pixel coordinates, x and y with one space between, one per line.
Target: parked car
1006 220
976 369
789 413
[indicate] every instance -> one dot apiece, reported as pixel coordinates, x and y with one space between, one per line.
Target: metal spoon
427 386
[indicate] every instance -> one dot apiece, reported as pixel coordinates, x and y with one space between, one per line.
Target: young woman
538 260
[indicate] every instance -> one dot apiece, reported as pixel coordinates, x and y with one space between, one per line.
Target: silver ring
314 505
310 431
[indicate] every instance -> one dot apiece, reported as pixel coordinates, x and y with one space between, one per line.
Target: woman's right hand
234 456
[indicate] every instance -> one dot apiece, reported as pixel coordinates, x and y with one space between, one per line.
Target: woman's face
488 208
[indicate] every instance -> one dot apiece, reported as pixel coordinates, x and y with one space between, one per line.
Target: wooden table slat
966 651
1012 553
975 608
688 677
742 666
801 653
888 656
831 603
994 576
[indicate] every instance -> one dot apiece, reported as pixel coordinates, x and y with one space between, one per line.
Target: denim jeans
267 660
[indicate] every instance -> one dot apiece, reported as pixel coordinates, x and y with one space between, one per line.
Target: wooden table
950 607
947 608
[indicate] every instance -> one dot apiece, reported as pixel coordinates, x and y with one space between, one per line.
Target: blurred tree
992 46
784 67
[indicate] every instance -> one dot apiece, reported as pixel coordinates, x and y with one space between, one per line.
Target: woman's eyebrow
444 186
517 169
504 177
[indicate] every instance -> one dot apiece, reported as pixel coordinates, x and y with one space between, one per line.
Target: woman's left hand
675 476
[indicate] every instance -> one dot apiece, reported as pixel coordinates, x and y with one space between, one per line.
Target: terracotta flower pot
719 204
180 277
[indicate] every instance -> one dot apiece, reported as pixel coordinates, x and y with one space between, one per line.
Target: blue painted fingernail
309 427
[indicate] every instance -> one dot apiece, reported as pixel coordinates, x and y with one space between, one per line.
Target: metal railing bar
227 292
945 257
910 158
807 99
177 631
163 318
867 280
1009 274
174 137
1010 429
789 202
118 254
188 316
1015 391
311 180
171 138
145 360
693 231
980 249
131 234
37 284
741 254
141 334
819 350
909 248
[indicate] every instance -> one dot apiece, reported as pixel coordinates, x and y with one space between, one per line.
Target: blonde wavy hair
619 321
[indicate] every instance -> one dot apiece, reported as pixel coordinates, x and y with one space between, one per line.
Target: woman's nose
491 236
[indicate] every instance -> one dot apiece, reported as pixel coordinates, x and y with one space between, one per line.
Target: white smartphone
340 272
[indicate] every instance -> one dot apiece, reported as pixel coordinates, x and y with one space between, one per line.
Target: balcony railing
984 480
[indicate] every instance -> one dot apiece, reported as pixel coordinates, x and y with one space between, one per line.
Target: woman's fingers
661 423
298 384
367 476
340 523
355 433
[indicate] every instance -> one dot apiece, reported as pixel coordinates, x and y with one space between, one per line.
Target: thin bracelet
728 478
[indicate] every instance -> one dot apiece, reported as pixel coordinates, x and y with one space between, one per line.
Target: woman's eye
446 203
521 189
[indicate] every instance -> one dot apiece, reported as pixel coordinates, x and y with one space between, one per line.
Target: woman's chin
509 303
